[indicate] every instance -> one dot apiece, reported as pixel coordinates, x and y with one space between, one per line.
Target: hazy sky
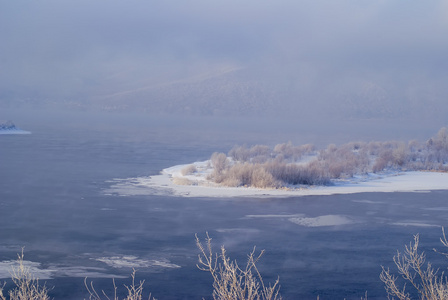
64 48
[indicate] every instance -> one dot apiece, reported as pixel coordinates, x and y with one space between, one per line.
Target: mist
343 60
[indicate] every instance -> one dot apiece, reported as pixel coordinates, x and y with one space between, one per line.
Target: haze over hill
345 60
236 92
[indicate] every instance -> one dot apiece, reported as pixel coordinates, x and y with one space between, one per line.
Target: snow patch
328 220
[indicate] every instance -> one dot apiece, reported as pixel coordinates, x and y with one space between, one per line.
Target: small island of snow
286 170
169 182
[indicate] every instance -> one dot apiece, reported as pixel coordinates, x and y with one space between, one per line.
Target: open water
52 204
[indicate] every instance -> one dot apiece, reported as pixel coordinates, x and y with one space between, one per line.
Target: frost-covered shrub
230 181
247 174
26 285
400 155
232 281
416 276
385 157
308 148
336 169
240 153
260 159
438 146
344 161
240 173
188 170
260 150
373 148
182 181
314 174
414 146
260 178
290 152
219 162
294 174
134 291
380 165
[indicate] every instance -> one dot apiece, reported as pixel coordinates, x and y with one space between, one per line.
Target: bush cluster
264 167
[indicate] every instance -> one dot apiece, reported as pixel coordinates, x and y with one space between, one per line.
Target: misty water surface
51 202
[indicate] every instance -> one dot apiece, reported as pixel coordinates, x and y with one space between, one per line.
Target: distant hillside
229 92
371 100
238 91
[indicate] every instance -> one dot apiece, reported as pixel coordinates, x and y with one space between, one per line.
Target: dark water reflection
51 202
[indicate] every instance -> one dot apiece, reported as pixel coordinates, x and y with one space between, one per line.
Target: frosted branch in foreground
230 281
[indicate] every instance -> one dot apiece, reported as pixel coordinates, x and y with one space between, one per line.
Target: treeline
285 164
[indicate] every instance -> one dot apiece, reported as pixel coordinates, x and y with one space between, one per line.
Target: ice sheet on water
238 230
34 267
276 216
415 224
436 208
130 261
368 201
328 220
54 270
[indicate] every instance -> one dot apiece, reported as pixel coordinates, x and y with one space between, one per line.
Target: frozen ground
172 182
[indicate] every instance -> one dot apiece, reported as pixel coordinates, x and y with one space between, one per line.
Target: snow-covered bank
172 182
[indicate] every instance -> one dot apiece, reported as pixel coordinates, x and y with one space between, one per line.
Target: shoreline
411 181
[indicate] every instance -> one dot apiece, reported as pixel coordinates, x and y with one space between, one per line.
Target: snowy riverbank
172 182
